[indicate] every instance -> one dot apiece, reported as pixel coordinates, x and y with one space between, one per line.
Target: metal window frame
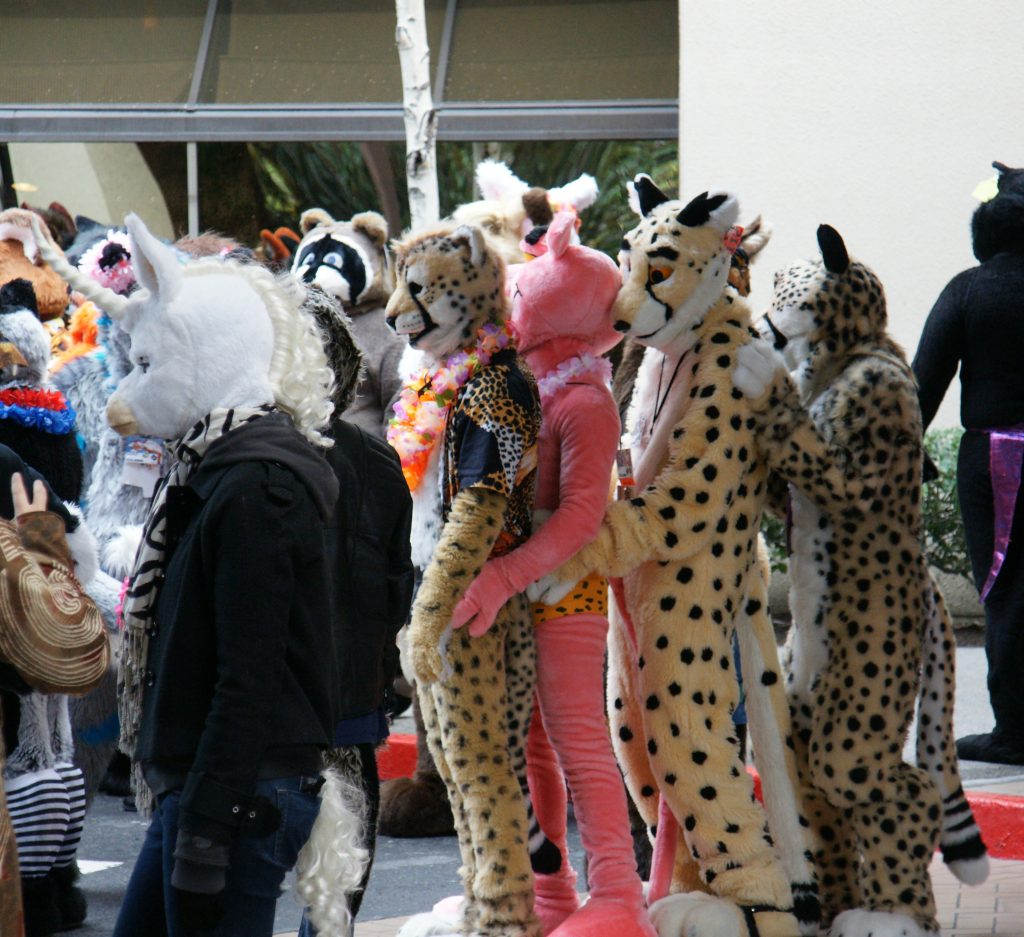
460 121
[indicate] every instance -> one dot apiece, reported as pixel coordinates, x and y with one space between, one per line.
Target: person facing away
371 577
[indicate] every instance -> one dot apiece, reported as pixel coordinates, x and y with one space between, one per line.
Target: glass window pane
266 52
570 50
90 52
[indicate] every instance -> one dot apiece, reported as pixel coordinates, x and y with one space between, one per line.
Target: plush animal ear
155 264
560 231
473 238
756 236
372 226
18 294
698 210
833 250
312 217
580 193
497 182
648 195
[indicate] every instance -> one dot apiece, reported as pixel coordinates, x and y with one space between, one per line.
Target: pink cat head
566 293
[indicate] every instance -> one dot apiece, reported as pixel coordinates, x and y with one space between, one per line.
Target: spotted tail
520 657
960 841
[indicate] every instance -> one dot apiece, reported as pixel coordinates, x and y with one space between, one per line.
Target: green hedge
943 529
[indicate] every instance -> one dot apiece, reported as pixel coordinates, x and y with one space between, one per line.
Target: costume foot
555 900
986 747
862 923
695 914
431 924
600 917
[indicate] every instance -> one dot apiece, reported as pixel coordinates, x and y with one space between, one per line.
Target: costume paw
862 923
548 590
757 365
426 664
695 914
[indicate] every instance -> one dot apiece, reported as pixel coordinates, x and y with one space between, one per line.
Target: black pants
1004 608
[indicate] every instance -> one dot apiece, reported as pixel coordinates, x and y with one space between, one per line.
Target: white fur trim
331 863
496 181
695 914
84 549
861 923
120 551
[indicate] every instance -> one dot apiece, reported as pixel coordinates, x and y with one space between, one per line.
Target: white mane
300 376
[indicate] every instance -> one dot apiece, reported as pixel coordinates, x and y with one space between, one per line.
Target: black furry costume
978 323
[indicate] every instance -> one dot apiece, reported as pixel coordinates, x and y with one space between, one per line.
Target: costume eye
333 259
657 274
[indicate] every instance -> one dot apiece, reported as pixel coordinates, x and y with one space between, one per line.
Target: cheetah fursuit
686 548
870 630
475 693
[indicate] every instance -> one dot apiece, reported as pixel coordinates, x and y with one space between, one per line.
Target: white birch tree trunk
420 116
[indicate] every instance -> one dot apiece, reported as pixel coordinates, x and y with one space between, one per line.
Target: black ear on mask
698 211
16 295
833 250
648 194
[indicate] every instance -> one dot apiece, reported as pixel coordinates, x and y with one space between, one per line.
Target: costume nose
621 325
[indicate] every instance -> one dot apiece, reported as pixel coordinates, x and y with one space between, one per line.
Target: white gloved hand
757 365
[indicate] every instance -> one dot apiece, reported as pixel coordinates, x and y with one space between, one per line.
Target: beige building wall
103 181
879 118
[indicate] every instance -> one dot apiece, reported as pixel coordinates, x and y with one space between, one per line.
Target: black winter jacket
241 682
371 571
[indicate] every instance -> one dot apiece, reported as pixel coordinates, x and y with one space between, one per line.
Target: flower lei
423 403
47 410
571 368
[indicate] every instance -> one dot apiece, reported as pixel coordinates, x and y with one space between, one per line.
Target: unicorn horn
110 302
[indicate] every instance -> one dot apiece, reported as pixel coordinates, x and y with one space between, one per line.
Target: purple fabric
1006 447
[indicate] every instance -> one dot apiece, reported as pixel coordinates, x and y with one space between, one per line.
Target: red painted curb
396 758
1000 816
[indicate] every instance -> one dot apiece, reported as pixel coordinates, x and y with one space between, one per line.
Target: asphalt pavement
409 875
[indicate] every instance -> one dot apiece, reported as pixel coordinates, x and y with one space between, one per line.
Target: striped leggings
47 811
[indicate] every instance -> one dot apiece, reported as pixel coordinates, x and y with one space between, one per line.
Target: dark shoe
129 804
70 899
42 919
986 747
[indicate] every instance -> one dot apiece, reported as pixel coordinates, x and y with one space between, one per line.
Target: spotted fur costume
475 694
870 630
686 547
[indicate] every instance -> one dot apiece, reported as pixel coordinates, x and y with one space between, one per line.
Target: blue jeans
257 868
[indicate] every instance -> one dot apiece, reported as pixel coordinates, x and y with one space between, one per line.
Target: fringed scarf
144 588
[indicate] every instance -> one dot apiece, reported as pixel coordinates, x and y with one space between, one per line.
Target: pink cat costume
561 315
